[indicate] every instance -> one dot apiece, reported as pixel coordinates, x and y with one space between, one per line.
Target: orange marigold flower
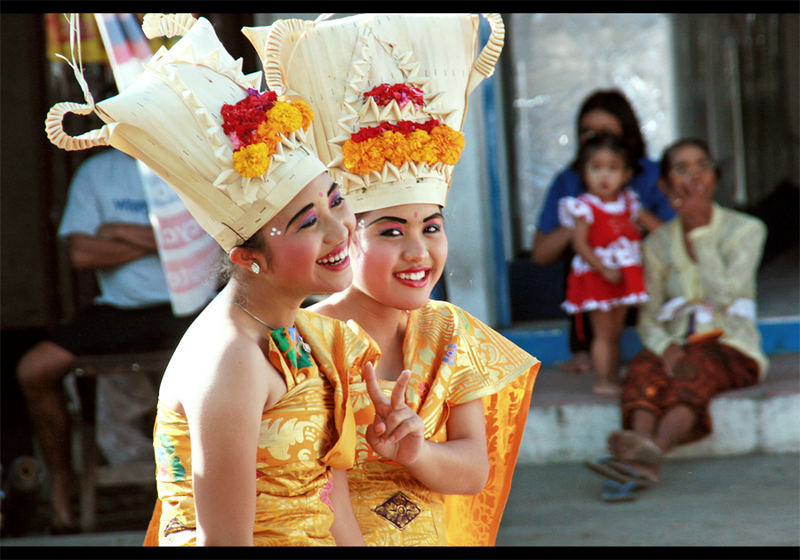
267 132
252 160
363 157
394 147
373 156
305 112
448 142
353 157
416 142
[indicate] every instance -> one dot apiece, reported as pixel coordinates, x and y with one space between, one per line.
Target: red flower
406 127
403 127
402 93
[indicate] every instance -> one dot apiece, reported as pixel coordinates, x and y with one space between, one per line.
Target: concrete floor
748 501
734 501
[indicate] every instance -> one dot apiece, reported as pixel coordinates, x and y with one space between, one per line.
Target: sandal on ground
632 446
614 491
621 472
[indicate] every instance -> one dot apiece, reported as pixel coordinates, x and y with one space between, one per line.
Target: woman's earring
255 268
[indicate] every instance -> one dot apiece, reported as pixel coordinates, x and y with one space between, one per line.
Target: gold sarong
309 431
454 358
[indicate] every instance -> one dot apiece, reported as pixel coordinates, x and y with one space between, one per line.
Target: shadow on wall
780 210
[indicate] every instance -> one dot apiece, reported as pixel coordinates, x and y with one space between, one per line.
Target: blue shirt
108 188
569 183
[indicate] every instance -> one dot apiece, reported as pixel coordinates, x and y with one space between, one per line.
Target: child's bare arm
580 243
648 220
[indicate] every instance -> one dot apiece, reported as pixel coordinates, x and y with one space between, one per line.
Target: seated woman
699 327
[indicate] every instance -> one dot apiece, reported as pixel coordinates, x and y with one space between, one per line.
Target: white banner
189 256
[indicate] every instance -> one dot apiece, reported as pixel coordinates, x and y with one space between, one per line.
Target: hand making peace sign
397 433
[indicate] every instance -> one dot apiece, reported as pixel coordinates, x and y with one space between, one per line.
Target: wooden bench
82 379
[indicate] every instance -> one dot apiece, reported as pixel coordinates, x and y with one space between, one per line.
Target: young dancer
254 420
606 275
420 476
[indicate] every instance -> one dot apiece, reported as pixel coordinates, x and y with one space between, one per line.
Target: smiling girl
437 445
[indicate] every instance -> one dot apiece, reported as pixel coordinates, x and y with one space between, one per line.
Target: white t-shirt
107 188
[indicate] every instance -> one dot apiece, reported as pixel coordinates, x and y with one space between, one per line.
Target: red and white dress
615 239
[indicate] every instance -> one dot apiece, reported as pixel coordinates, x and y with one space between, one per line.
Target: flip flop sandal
616 492
623 473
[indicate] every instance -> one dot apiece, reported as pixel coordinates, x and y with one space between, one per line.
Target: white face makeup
399 254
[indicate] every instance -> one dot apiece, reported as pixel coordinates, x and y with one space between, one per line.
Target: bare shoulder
215 362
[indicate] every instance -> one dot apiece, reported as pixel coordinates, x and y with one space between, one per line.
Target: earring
255 268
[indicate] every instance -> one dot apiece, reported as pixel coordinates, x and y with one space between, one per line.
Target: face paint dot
416 214
321 194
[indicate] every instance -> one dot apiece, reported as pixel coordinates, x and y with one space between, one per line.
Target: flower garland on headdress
255 125
430 142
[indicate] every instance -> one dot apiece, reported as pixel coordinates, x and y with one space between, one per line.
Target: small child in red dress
606 276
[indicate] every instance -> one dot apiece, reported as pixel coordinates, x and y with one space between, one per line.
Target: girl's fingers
399 391
403 429
373 390
377 428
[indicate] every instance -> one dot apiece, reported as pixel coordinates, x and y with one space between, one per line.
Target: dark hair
602 141
613 102
669 152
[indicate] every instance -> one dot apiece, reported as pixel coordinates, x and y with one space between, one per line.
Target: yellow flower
442 144
394 148
252 160
416 142
285 117
449 144
353 157
363 157
306 113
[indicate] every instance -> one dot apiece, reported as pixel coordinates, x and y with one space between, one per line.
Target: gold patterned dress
309 431
454 359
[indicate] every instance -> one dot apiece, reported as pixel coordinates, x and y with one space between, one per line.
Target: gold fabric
309 431
454 358
728 252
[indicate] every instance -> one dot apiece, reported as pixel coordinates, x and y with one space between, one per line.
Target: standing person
254 421
602 111
698 327
107 229
420 476
606 277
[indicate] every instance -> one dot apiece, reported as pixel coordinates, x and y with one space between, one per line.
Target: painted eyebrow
403 221
388 219
308 207
302 211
